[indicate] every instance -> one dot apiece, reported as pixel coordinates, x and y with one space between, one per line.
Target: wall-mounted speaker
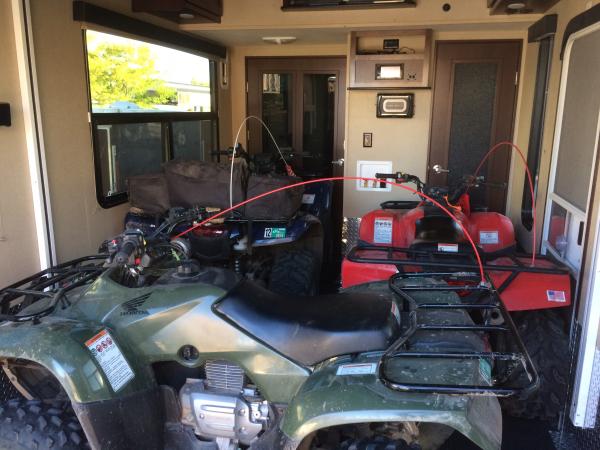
395 105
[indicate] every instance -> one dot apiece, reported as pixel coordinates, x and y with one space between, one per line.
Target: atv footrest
466 345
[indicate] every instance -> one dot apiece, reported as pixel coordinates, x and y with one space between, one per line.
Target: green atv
140 349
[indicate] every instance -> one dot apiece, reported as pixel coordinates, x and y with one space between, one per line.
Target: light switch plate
367 139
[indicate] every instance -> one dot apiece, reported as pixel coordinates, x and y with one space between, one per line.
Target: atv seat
311 329
437 228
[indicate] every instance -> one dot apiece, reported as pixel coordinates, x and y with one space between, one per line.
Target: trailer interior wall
404 142
80 223
18 244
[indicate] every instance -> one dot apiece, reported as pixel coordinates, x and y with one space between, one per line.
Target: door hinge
516 78
246 87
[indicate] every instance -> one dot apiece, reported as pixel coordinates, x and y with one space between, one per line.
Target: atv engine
223 406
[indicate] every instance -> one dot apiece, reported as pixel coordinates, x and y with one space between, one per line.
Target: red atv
420 237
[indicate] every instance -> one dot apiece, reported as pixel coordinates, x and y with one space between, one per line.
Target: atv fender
327 399
58 344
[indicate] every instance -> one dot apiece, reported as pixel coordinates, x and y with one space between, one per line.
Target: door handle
338 162
439 169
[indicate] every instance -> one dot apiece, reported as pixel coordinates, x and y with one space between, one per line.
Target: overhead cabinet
390 59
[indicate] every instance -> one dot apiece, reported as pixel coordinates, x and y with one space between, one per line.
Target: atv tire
295 272
33 424
377 443
543 333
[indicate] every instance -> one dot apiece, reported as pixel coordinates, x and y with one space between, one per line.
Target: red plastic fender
389 227
354 273
529 290
492 231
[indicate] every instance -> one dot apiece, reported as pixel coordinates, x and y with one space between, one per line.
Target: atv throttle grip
125 253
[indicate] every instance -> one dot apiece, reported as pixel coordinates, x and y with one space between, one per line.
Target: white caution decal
357 369
488 237
448 248
111 360
382 232
308 199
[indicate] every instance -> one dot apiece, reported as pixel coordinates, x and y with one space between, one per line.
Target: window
149 104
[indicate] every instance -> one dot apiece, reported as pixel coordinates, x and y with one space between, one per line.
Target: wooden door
473 108
302 101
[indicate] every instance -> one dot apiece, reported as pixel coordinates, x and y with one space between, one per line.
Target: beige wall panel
80 224
18 242
402 141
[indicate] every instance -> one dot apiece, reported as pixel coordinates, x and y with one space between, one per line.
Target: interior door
473 108
302 101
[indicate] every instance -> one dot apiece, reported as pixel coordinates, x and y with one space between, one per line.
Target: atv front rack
457 261
53 284
487 321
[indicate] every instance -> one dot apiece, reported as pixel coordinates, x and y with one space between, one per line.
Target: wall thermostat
395 105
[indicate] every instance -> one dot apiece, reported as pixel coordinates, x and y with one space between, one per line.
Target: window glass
126 150
127 75
193 139
277 110
149 104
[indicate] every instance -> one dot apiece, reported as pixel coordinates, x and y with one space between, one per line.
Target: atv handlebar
400 177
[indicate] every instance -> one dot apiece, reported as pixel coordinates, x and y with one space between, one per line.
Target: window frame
166 120
542 32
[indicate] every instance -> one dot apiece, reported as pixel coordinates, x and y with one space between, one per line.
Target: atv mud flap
345 391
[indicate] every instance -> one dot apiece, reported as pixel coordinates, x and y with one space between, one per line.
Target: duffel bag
149 193
280 205
209 187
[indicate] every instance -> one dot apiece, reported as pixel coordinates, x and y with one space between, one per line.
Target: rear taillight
210 231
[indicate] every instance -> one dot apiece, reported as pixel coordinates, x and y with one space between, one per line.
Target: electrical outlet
367 139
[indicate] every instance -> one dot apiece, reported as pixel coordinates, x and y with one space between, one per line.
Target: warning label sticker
111 360
488 237
556 296
357 369
308 199
448 248
382 233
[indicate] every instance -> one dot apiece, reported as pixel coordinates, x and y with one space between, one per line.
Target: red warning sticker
111 360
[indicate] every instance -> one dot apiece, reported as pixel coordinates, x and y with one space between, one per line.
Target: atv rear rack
480 302
460 260
53 283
